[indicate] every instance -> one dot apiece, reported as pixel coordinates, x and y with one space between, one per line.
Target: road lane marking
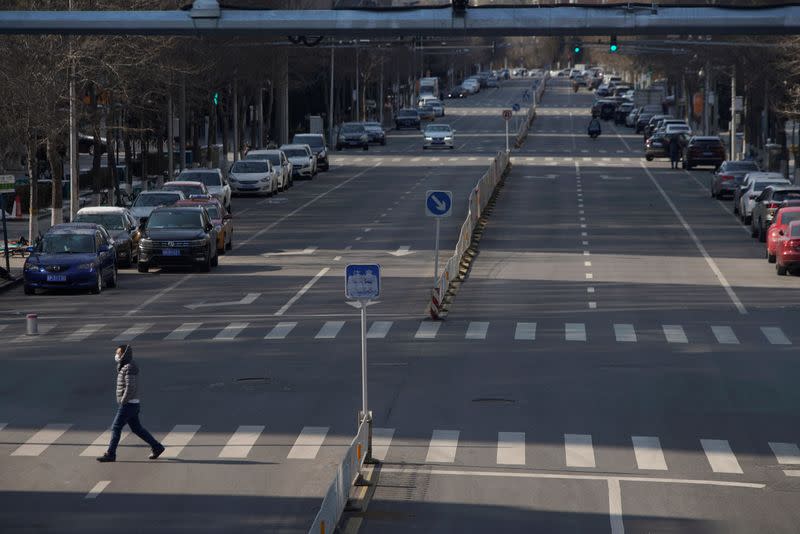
329 330
97 489
785 453
575 332
45 437
158 295
511 448
649 454
100 445
302 291
615 506
725 335
3 327
442 447
133 332
625 333
183 331
242 441
230 332
43 330
477 330
525 332
84 332
674 333
427 330
775 335
700 247
381 440
578 450
281 330
308 443
177 439
379 329
720 456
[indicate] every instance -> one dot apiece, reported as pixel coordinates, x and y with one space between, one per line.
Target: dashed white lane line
649 454
674 333
525 332
281 330
97 489
302 291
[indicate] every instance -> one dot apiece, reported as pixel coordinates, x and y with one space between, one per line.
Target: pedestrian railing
522 133
347 472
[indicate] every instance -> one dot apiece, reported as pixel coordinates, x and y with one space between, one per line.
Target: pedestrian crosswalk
378 330
704 455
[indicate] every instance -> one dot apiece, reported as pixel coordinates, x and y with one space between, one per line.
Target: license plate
171 252
56 277
438 142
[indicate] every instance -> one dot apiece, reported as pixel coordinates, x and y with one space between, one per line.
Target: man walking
128 410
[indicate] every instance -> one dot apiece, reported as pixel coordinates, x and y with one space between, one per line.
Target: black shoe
106 458
157 452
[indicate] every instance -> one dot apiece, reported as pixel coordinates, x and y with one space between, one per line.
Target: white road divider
525 125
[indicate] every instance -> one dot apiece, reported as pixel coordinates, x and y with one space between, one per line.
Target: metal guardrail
538 91
339 491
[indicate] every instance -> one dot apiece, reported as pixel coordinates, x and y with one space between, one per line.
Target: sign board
507 114
362 281
438 203
6 182
515 107
738 104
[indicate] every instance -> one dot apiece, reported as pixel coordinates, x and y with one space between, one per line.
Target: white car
471 85
438 107
752 185
147 201
438 136
214 181
253 176
280 164
677 128
304 163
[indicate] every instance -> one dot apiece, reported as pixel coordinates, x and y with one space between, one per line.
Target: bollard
33 324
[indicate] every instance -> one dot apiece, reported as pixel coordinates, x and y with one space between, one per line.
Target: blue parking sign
362 281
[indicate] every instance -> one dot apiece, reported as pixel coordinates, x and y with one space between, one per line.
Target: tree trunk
33 179
268 112
223 120
128 148
196 139
111 162
57 172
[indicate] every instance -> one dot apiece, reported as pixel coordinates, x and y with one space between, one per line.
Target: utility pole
380 104
358 86
74 168
331 120
733 113
182 127
170 137
707 100
260 107
235 120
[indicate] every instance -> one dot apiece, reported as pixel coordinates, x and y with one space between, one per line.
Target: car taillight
725 177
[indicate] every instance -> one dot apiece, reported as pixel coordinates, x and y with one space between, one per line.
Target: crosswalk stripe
725 335
242 441
308 443
575 331
329 330
281 330
183 331
133 332
379 329
177 439
442 448
525 332
84 332
674 333
43 329
775 335
3 327
97 489
648 453
511 448
2 426
427 330
785 453
477 330
45 437
578 450
720 456
230 332
100 444
625 333
381 439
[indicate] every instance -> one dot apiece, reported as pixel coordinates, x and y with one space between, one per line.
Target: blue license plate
56 277
171 252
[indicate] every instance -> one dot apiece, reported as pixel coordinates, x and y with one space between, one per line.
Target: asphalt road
250 374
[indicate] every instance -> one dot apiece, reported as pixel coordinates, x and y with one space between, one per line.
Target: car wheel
29 290
142 267
98 284
780 269
113 281
215 260
648 157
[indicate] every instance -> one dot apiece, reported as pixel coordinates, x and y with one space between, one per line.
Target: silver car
253 176
280 164
438 136
213 179
304 162
147 201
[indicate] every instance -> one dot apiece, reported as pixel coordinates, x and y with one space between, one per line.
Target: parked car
176 236
254 176
407 118
766 204
729 177
439 136
318 146
121 225
653 124
622 111
304 163
787 253
223 221
351 134
375 133
147 201
776 232
752 186
438 107
71 256
703 150
214 181
656 146
280 165
189 189
426 113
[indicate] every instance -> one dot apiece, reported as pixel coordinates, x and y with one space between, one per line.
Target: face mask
117 357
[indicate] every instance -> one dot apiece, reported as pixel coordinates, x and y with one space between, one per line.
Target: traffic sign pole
506 136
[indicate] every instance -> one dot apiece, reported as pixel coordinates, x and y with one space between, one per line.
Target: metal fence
339 491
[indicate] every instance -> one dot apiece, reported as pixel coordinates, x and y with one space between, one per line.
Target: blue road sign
362 281
438 203
515 107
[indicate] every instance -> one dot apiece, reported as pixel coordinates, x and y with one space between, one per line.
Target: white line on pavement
183 331
84 332
230 332
674 333
625 333
525 332
157 296
615 506
133 332
329 330
100 444
648 453
785 453
308 443
281 330
381 439
443 445
302 291
242 441
37 443
511 448
379 329
578 450
720 456
477 330
575 331
775 335
177 439
97 489
725 335
427 330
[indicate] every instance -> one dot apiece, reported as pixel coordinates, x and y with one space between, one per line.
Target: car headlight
428 138
86 267
448 138
31 267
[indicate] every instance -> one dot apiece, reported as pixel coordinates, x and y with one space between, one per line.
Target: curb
10 284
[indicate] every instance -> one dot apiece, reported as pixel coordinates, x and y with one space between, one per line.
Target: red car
778 229
788 251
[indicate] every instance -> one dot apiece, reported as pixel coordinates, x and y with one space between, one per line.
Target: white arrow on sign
402 251
357 305
441 206
248 299
306 251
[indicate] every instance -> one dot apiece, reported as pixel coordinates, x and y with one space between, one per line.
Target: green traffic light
215 99
613 48
577 49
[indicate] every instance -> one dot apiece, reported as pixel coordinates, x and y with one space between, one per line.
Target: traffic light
215 98
460 6
612 45
576 49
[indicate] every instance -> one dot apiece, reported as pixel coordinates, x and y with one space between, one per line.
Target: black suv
318 147
178 236
407 118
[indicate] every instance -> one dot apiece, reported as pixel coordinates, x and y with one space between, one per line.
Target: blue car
72 256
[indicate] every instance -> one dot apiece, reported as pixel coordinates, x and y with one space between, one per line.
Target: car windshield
437 129
314 141
213 211
175 219
786 195
350 129
250 167
795 230
111 221
156 199
760 186
295 152
68 244
741 166
207 178
188 190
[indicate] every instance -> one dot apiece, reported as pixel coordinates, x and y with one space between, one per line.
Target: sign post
362 282
438 204
507 114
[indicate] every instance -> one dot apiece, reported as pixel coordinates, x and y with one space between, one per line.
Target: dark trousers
128 414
